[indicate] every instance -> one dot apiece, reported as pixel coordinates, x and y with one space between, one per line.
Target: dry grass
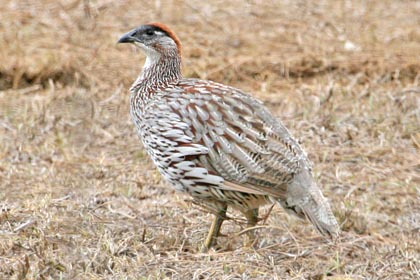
80 199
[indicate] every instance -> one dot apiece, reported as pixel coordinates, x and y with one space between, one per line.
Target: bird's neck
159 71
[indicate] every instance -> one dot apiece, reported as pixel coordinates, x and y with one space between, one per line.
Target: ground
80 199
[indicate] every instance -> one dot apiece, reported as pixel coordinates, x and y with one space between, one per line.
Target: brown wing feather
248 147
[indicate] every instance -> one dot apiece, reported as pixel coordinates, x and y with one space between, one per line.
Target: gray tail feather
305 198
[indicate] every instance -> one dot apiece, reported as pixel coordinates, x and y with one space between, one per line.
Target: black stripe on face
151 30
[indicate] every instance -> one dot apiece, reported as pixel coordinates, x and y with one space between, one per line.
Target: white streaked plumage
216 142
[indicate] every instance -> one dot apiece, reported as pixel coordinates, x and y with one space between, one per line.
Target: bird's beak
128 37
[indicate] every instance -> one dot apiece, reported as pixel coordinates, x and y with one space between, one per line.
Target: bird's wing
246 145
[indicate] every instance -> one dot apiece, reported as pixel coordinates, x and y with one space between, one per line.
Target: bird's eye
150 32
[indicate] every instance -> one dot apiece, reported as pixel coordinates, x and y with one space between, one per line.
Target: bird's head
154 39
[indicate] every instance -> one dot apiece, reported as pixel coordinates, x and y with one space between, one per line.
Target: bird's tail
305 198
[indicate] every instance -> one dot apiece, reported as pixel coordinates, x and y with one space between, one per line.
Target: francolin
217 143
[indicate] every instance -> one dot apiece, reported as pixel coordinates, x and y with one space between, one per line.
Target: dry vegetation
79 199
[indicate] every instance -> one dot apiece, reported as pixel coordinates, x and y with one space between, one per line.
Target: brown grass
79 199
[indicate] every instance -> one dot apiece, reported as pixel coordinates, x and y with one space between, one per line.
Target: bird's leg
214 231
252 219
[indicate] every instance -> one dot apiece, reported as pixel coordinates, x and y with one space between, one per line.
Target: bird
218 143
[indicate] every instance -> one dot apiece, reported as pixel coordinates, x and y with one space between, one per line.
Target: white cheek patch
148 50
